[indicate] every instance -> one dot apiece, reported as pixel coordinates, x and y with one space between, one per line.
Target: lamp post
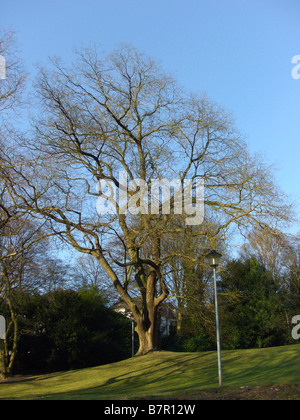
213 258
133 325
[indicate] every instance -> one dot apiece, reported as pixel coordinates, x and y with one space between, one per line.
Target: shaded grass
162 374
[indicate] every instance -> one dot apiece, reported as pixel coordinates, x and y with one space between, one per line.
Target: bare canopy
123 113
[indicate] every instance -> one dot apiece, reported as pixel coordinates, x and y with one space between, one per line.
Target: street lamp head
213 258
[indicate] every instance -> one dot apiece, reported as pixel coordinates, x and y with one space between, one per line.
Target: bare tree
20 250
89 273
270 247
124 113
12 86
11 90
187 272
292 272
19 234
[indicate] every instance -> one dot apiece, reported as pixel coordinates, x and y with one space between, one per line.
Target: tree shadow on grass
166 376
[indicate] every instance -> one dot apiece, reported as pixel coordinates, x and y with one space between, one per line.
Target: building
167 315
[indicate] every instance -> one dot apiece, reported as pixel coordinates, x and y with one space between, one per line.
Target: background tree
188 273
124 113
291 276
279 253
252 303
64 329
269 247
88 273
20 247
11 99
12 87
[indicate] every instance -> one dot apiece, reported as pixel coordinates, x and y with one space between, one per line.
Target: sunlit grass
163 373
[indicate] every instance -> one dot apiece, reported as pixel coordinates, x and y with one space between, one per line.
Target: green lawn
162 374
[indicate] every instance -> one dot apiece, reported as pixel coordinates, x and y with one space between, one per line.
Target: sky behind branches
237 51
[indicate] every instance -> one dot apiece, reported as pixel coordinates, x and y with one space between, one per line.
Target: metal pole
218 329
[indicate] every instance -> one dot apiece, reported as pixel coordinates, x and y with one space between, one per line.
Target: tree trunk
145 316
11 355
147 324
147 335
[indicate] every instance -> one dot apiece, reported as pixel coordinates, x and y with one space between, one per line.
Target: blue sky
237 51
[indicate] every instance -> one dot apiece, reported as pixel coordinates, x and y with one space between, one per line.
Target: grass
163 374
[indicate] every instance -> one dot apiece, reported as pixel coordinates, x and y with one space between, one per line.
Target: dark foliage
65 330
